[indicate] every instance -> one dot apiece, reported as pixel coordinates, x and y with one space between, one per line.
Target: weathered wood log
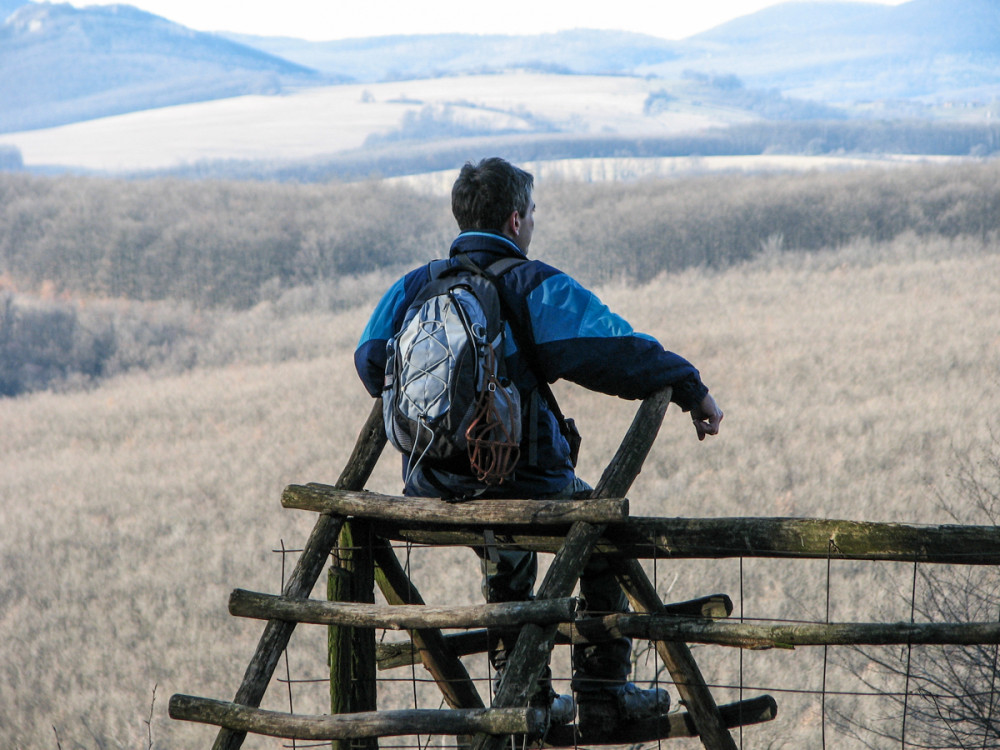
403 654
477 513
676 725
803 538
239 718
755 636
405 617
274 640
351 651
679 662
534 643
450 675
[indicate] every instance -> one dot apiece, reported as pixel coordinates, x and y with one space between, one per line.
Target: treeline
640 229
98 276
230 245
212 244
817 137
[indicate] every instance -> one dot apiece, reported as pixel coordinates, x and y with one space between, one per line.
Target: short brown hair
487 193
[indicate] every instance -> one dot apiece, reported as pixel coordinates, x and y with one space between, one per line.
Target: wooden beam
715 538
404 617
756 636
308 568
445 667
478 513
241 719
400 654
679 662
531 654
675 725
523 721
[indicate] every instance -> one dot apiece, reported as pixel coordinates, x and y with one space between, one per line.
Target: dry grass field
850 381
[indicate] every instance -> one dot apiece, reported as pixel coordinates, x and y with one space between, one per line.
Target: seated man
573 336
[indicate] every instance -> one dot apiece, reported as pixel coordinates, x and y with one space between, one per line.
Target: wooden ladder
376 520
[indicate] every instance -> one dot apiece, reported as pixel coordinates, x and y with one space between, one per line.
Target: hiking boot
623 704
562 709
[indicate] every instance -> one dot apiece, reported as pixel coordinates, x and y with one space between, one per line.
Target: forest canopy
103 276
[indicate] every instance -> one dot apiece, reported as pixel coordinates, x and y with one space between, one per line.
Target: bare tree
951 694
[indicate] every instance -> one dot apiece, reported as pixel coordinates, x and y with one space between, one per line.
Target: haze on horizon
320 20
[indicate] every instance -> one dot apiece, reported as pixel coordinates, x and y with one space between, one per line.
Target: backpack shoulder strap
498 268
437 267
527 345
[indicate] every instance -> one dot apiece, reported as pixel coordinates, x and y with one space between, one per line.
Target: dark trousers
509 575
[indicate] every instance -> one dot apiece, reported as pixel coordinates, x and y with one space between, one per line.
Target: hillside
59 64
839 53
9 6
99 277
576 52
931 51
131 511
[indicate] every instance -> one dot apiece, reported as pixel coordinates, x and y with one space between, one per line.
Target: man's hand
706 417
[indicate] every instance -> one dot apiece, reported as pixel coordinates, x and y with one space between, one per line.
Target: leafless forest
173 354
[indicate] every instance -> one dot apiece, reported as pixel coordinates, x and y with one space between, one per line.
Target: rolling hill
833 52
114 88
932 51
59 65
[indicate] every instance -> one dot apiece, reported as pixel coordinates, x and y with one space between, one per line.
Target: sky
324 20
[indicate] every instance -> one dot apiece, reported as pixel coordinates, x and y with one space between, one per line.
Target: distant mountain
835 52
387 58
59 65
9 6
932 50
791 20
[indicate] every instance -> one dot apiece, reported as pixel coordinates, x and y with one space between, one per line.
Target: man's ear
513 225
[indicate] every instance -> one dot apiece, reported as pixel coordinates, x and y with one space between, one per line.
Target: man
573 336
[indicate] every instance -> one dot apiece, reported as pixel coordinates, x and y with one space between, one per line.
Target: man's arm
578 338
369 357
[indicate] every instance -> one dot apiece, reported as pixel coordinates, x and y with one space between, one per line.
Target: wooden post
449 673
307 570
534 643
244 603
352 649
681 665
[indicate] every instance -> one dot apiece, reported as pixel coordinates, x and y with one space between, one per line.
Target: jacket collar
485 242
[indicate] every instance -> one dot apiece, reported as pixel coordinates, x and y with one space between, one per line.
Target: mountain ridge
60 65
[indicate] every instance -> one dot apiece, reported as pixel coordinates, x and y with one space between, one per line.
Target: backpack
446 392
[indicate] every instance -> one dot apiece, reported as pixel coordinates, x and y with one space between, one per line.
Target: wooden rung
445 667
675 725
401 617
764 636
402 654
647 538
239 718
477 513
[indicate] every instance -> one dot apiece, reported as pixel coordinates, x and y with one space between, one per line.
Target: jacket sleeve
578 338
369 357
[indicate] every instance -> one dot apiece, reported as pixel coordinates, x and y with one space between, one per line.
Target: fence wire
418 688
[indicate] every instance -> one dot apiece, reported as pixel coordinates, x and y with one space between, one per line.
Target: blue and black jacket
576 337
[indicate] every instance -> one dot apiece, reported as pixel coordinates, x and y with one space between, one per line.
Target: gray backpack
446 391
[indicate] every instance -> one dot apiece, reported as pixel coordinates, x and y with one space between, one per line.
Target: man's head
495 196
